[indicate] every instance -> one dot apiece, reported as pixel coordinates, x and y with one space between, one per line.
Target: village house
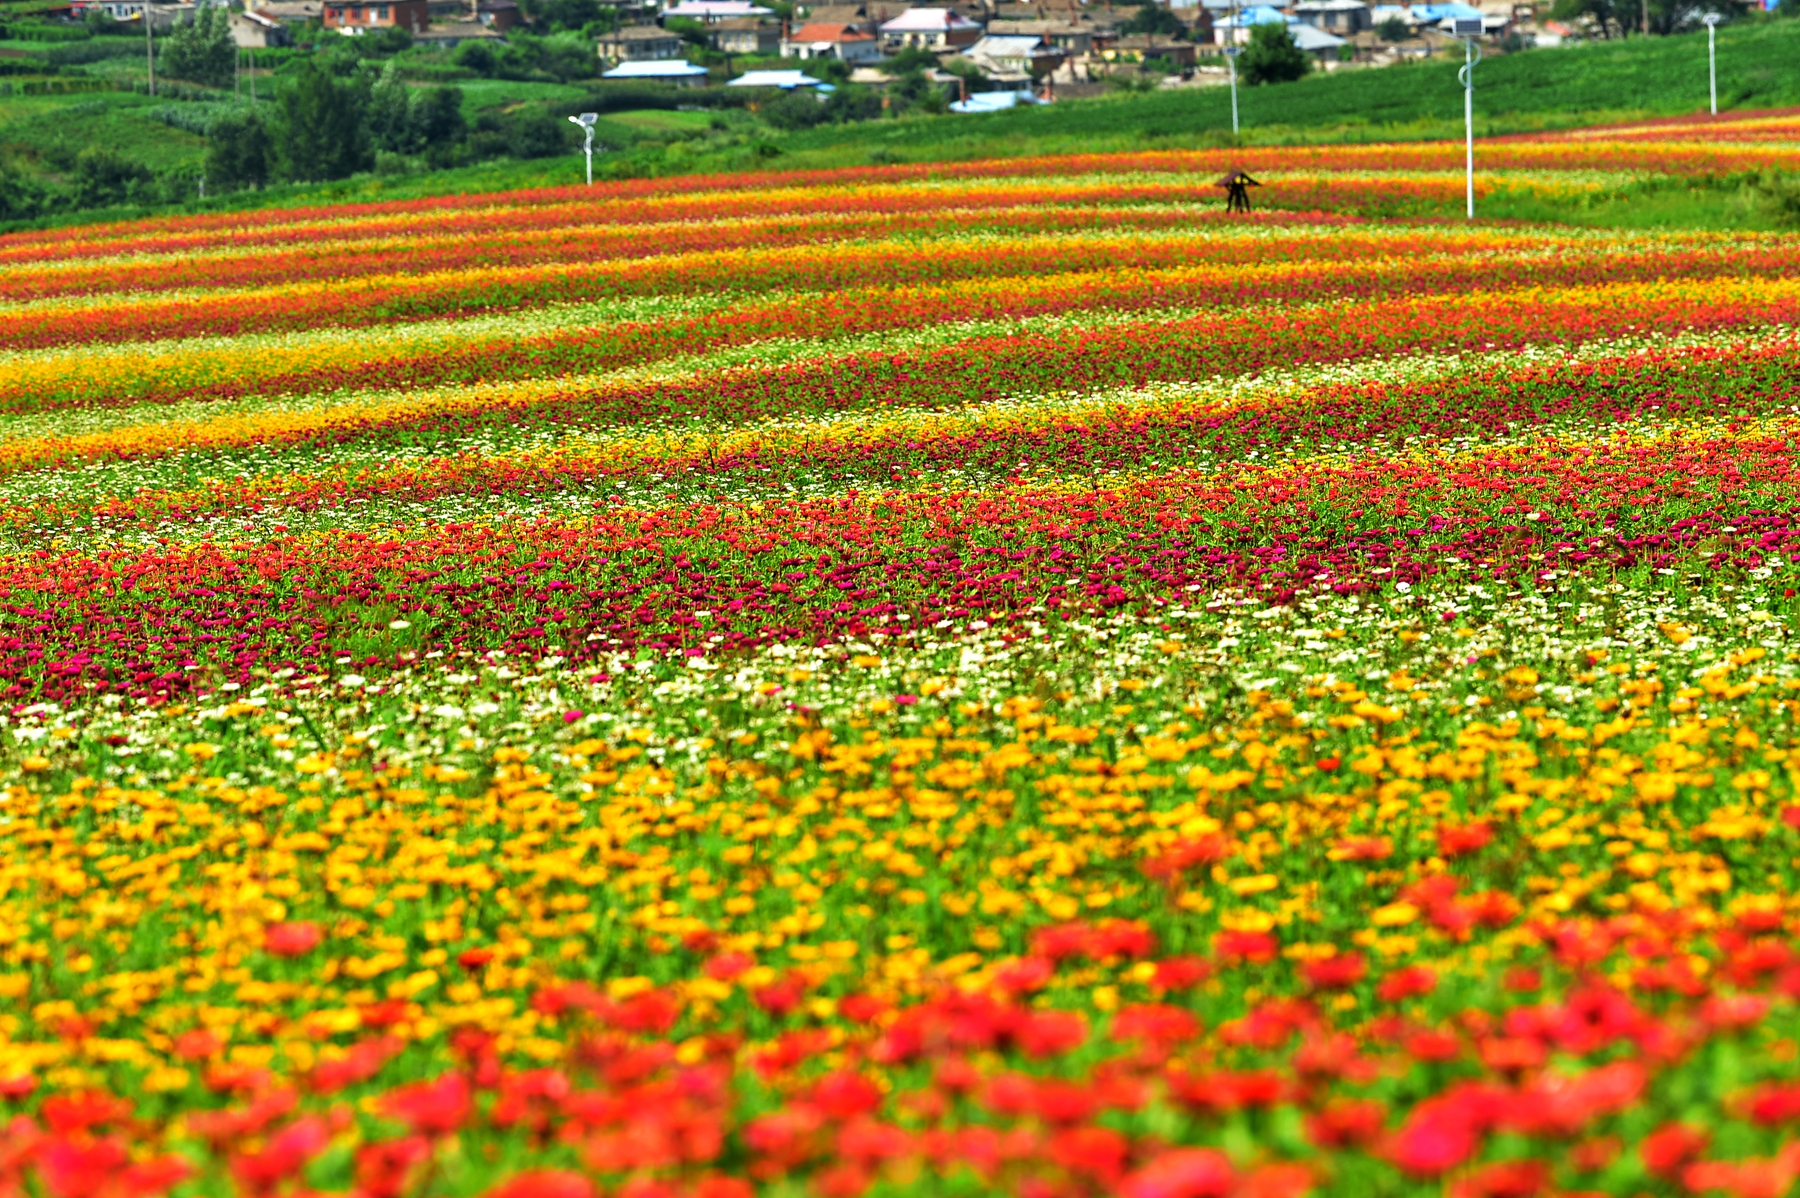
357 16
1025 55
745 35
819 39
1344 18
929 29
252 30
640 43
1072 39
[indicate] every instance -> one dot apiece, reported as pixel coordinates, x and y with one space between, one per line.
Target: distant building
293 12
1238 31
745 35
929 29
713 11
640 43
1137 47
1025 54
1342 17
841 14
1072 39
252 30
499 15
357 16
819 39
451 34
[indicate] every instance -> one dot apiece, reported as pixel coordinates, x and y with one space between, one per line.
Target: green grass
1539 89
1759 67
479 94
661 120
46 132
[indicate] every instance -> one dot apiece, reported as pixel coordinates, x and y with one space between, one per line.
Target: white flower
398 625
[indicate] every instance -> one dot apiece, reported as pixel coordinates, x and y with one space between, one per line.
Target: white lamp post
586 121
1468 29
1711 21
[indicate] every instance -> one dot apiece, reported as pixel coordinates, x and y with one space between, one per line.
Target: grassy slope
1539 89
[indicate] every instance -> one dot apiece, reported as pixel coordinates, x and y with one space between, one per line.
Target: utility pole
1231 53
1711 21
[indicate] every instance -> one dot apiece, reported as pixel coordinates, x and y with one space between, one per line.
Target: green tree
1393 29
103 177
322 132
1153 18
1272 56
21 196
478 57
201 50
238 152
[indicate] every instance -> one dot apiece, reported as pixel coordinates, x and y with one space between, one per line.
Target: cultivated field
980 678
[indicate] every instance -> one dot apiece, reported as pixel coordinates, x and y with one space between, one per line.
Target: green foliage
797 109
1393 29
1160 64
910 61
322 132
1272 56
552 15
21 196
1776 194
478 57
693 32
411 120
239 152
104 177
201 50
100 23
1155 19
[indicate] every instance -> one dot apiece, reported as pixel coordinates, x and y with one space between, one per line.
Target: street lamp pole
1468 29
149 49
586 121
1711 21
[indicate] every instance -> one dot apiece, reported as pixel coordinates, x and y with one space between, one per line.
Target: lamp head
585 120
1710 19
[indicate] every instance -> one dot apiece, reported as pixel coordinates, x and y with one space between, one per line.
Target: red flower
1259 947
474 960
727 966
862 1008
431 1108
1346 1123
198 1044
846 1094
1665 1150
1506 1179
1335 973
1051 1033
292 939
1180 973
1459 840
1182 1173
544 1183
1410 982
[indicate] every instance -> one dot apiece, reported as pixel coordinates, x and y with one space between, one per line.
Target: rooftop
927 20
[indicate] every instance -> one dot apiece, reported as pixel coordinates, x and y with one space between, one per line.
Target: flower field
992 678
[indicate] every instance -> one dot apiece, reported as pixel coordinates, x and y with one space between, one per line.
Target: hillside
1537 89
